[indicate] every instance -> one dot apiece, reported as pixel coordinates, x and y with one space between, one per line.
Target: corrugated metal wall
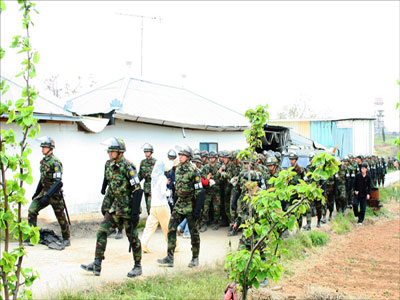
363 137
343 137
321 132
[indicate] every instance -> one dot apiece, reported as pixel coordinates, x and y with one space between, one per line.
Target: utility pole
141 39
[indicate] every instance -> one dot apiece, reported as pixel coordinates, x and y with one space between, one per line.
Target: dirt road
61 269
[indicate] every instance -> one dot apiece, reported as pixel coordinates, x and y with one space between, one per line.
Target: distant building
350 135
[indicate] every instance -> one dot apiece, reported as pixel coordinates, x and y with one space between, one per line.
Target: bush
318 238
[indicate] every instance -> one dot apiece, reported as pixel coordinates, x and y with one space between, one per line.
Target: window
209 147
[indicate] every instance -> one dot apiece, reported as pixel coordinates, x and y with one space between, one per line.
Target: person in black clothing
362 191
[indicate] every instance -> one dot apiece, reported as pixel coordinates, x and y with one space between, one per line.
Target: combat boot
112 231
119 235
66 242
308 226
323 221
136 271
319 224
330 216
233 232
194 262
94 267
216 226
203 227
167 261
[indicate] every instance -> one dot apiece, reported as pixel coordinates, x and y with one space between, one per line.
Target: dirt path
60 270
363 264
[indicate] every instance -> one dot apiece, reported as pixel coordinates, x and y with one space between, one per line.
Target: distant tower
379 114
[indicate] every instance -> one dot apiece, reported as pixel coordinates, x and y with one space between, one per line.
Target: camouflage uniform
226 177
212 192
340 177
146 167
50 173
186 178
108 199
119 186
330 195
234 171
350 174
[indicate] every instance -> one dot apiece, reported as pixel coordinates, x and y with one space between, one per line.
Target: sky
338 57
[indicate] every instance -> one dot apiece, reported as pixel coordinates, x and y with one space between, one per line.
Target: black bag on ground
51 239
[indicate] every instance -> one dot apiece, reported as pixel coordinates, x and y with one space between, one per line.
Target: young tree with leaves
15 167
267 220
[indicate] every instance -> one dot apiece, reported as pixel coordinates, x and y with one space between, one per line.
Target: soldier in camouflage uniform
350 174
340 178
227 191
293 157
212 171
234 171
146 167
108 200
125 208
204 157
188 190
312 204
49 189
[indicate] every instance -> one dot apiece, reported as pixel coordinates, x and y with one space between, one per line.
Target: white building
136 111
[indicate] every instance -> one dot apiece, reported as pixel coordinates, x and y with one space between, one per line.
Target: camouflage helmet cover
212 153
147 148
46 141
271 160
293 155
115 144
196 158
204 153
172 154
186 150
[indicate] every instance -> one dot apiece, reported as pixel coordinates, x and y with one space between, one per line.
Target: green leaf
36 57
2 6
397 105
291 222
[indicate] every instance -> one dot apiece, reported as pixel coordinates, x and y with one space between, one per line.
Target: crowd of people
190 192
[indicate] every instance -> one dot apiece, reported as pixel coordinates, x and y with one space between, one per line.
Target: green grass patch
200 284
342 224
371 213
319 238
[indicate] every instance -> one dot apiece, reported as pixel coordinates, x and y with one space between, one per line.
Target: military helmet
204 153
254 176
196 152
186 150
196 158
46 141
271 160
278 155
346 158
172 154
293 155
350 156
147 148
212 153
115 144
311 155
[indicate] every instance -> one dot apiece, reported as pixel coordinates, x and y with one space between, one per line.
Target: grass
342 224
199 284
387 148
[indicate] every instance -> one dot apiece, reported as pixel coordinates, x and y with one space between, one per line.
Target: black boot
119 235
323 221
203 227
216 226
66 242
167 261
94 267
194 262
136 271
233 232
319 224
308 226
112 231
330 216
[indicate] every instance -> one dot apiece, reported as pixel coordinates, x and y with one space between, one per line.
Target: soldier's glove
211 182
104 186
45 200
234 181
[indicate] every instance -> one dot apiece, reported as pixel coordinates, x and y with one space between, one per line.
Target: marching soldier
340 181
49 189
211 171
124 186
146 167
189 194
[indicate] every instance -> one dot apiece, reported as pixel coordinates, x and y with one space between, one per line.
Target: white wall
83 157
363 137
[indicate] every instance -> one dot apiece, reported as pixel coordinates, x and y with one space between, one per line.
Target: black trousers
363 205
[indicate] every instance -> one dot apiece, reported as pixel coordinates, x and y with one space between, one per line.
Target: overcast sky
338 56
